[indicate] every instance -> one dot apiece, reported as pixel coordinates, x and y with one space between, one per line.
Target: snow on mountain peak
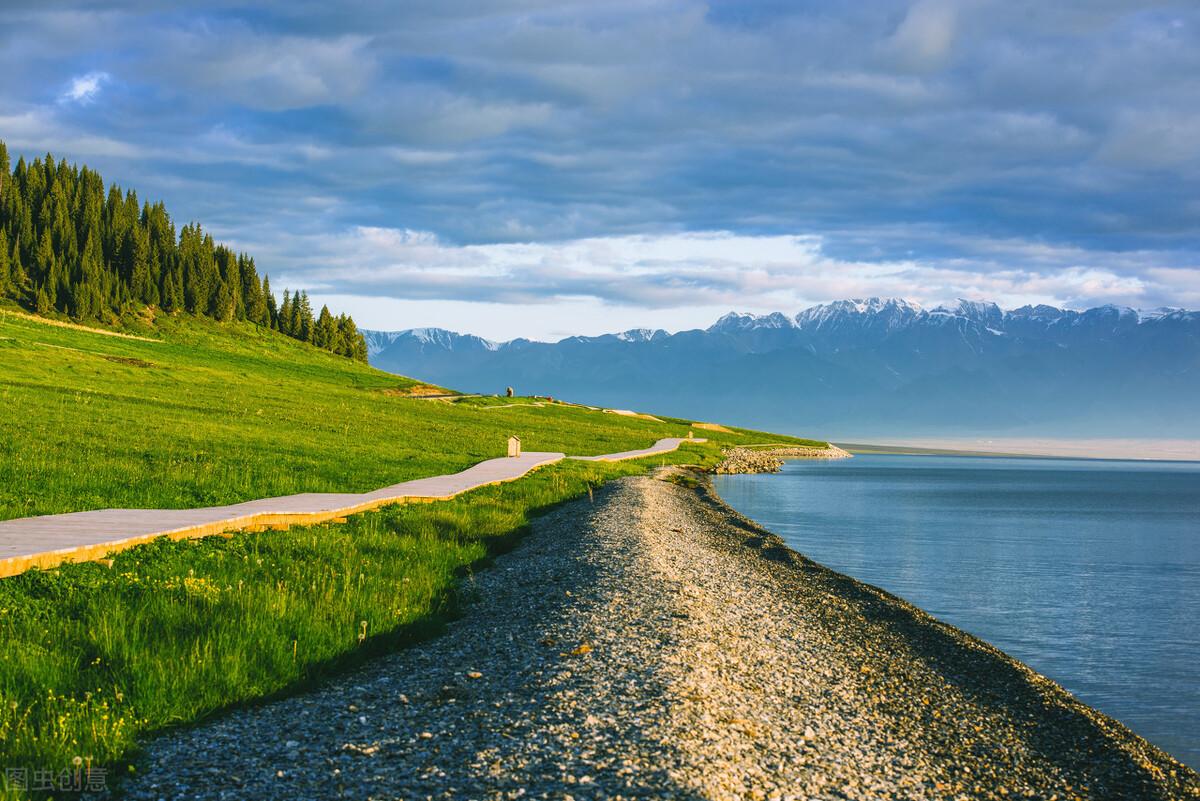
641 334
378 340
445 339
984 312
1145 315
896 311
744 321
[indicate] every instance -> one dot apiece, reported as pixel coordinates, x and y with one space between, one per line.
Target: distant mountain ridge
871 366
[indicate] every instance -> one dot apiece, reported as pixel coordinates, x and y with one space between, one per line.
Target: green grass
97 656
221 413
100 656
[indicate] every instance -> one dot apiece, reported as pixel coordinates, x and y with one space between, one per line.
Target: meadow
98 656
213 413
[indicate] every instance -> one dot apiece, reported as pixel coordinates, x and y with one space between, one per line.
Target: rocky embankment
656 645
770 460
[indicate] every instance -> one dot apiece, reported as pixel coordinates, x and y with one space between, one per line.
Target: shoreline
1158 763
654 643
1131 450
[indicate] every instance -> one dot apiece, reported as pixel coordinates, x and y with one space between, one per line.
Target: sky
542 169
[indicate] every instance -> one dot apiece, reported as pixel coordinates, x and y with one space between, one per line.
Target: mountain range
851 368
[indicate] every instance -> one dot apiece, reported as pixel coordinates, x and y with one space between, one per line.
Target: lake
1086 570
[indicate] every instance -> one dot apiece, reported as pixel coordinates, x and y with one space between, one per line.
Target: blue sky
549 168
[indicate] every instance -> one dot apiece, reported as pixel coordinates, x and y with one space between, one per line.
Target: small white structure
514 446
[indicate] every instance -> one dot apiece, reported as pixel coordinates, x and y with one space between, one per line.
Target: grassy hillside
100 655
212 413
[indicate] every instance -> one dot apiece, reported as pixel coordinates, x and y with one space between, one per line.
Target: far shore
1176 450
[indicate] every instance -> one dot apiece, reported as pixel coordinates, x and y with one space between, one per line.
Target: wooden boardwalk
50 540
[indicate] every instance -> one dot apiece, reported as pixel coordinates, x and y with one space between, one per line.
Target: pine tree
7 287
325 332
172 298
43 265
272 311
85 288
302 319
356 345
225 306
136 255
254 304
285 315
18 277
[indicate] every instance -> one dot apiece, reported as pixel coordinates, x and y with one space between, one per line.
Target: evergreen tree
18 277
253 302
84 290
172 294
303 317
269 298
325 332
135 253
225 305
353 342
45 270
7 288
285 315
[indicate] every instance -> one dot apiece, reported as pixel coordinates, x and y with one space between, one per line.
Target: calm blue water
1087 571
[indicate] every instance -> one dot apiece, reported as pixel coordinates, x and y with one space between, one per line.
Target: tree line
67 245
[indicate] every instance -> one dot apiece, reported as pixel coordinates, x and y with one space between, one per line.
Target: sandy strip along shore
654 644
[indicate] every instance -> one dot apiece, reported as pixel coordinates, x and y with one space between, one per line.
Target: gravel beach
652 643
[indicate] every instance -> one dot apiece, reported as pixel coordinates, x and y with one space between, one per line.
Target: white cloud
38 130
926 35
83 88
545 290
261 71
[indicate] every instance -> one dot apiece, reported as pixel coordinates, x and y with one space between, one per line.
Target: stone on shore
770 460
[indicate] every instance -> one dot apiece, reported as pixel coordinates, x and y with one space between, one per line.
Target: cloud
35 131
230 60
713 270
926 34
918 147
83 88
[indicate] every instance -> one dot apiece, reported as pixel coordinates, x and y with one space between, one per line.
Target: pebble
718 665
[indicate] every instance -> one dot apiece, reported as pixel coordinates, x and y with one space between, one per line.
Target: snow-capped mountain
377 341
641 335
742 321
883 366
